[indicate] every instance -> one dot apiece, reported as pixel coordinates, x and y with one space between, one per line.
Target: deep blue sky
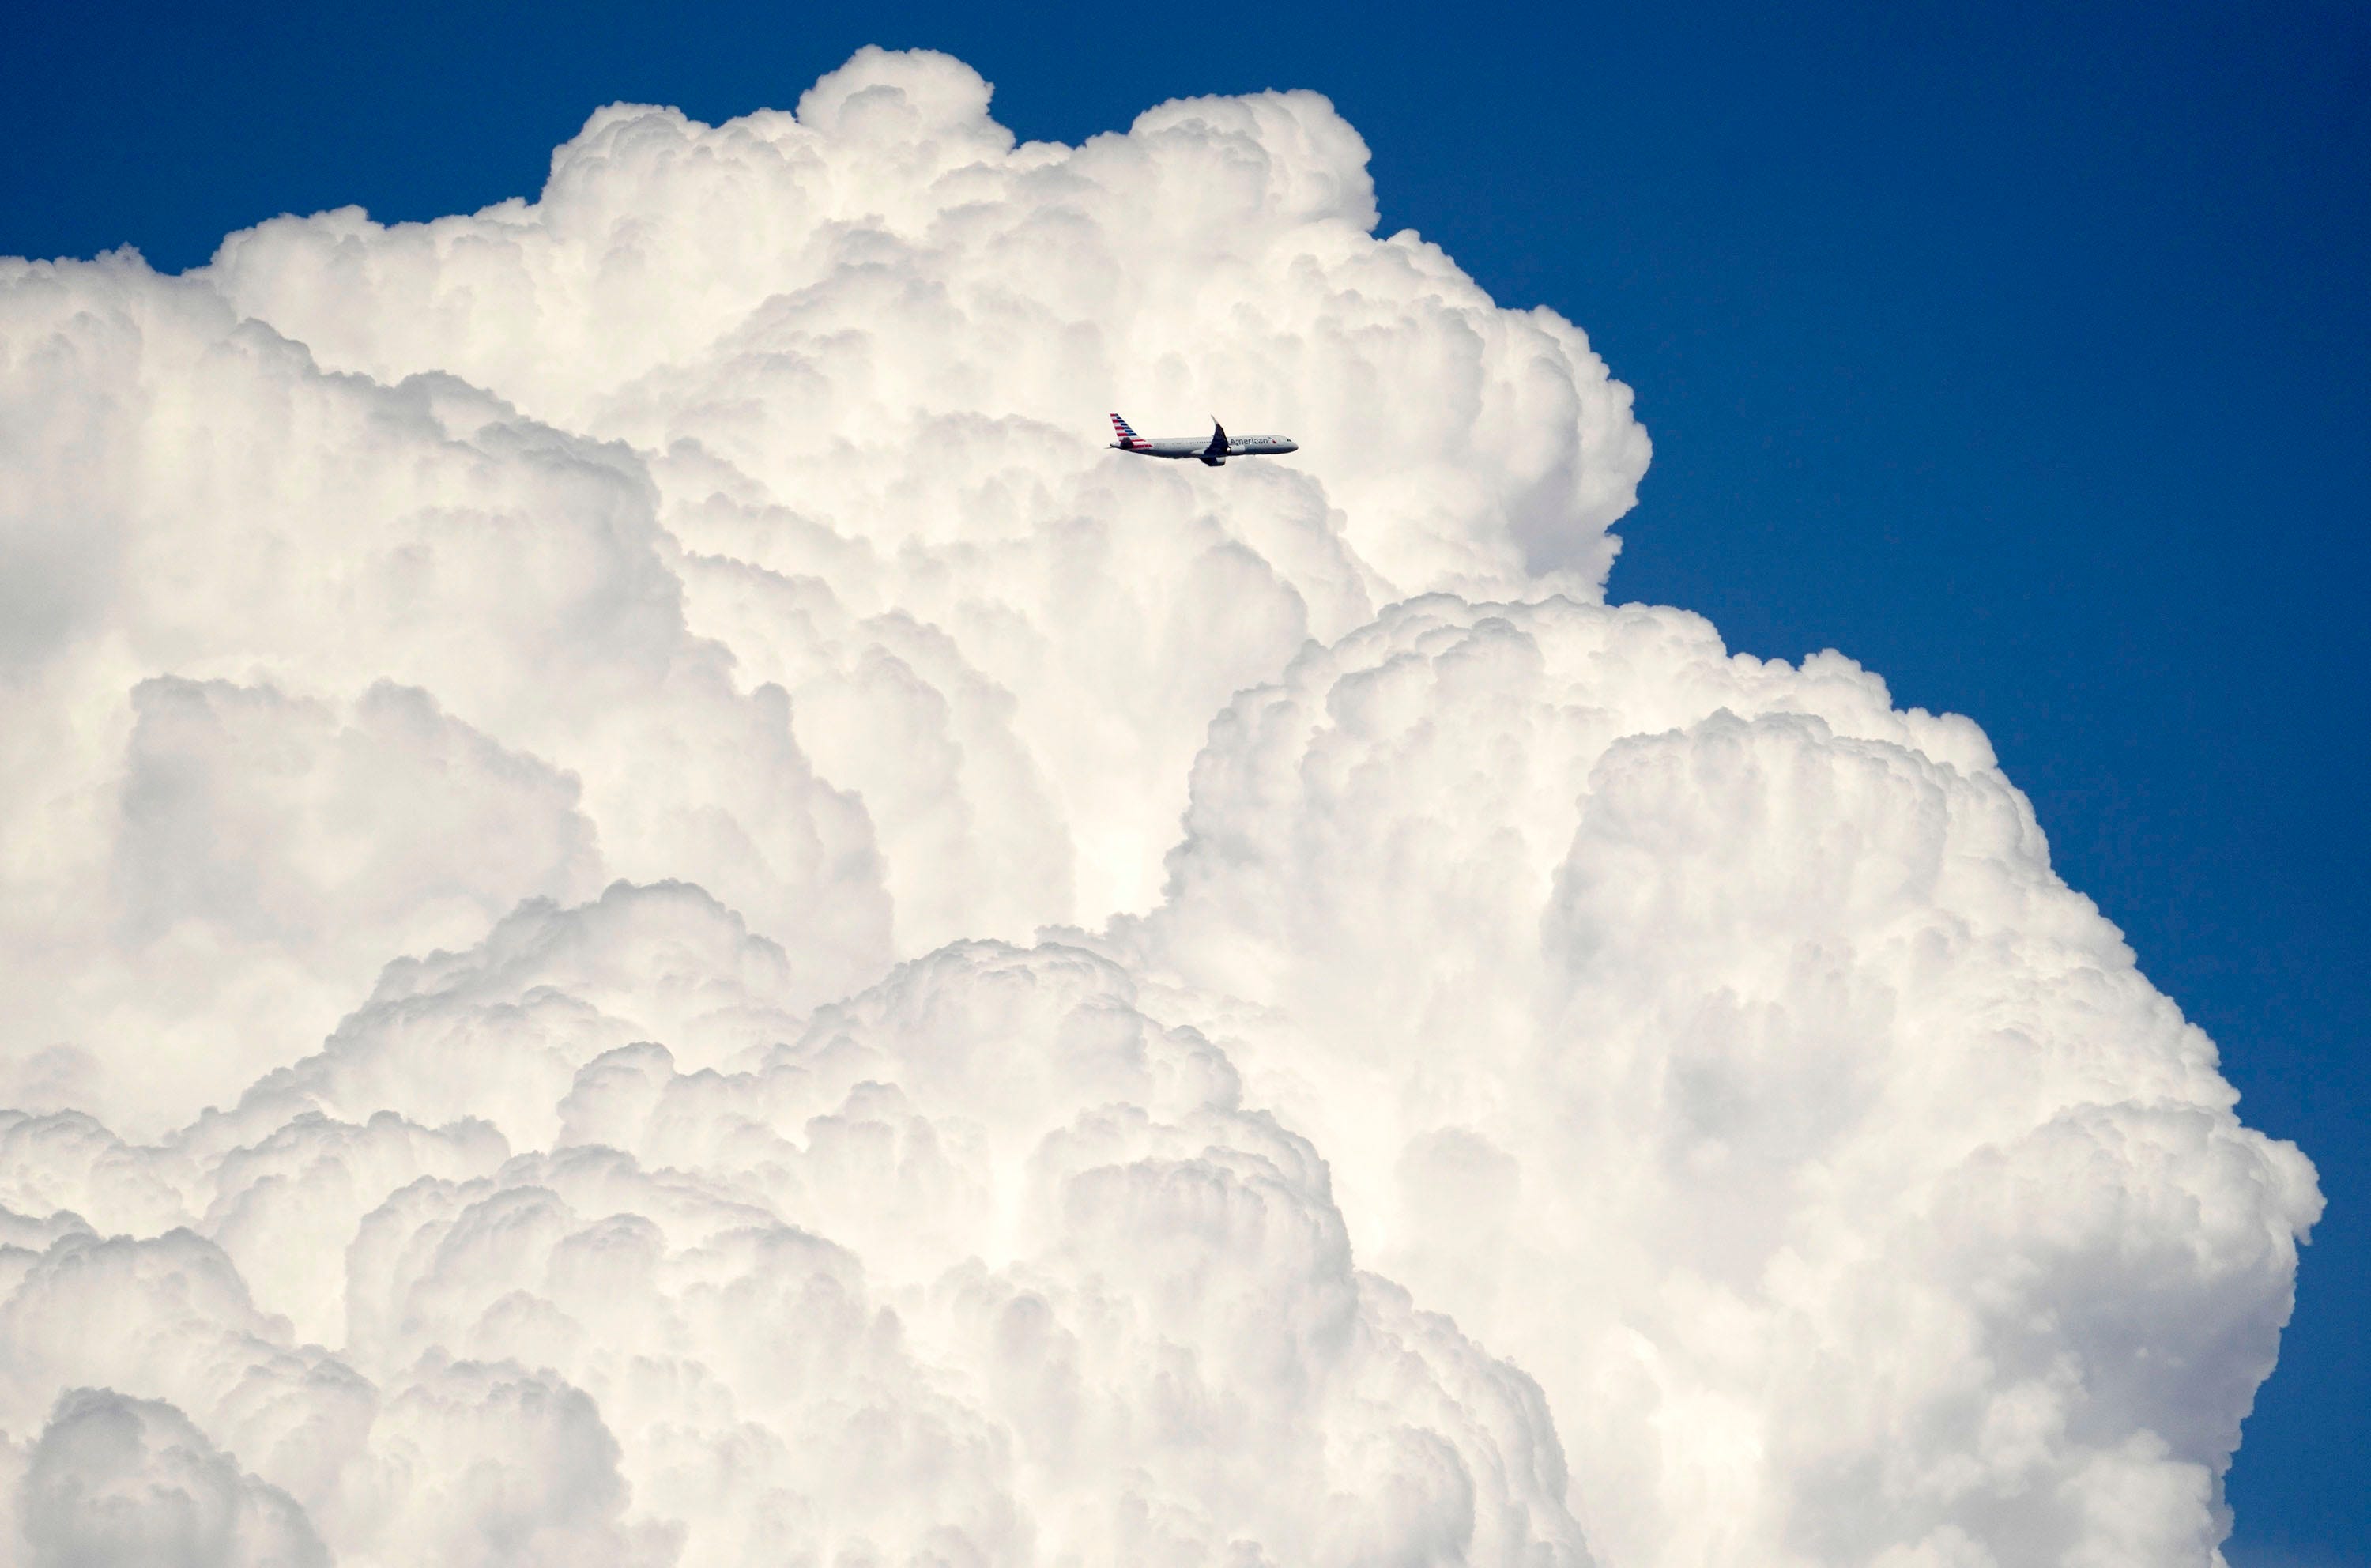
2015 350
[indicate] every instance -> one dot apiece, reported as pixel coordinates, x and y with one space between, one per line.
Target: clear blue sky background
2016 349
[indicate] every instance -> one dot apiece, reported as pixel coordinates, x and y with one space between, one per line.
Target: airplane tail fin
1124 434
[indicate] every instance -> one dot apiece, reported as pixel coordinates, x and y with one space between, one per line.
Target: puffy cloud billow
654 915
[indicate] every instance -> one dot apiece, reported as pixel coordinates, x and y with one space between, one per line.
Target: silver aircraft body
1213 449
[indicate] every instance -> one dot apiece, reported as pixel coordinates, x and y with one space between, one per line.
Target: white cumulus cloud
657 916
1715 1040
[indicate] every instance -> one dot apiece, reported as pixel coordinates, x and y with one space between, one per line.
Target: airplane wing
1217 447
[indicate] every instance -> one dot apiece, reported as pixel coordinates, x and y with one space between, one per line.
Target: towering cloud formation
1564 1090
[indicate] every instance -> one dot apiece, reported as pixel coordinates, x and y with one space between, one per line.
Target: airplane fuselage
1213 449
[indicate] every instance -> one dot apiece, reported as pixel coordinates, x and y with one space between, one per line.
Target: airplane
1215 451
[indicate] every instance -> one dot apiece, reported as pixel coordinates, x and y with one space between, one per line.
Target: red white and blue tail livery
1214 451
